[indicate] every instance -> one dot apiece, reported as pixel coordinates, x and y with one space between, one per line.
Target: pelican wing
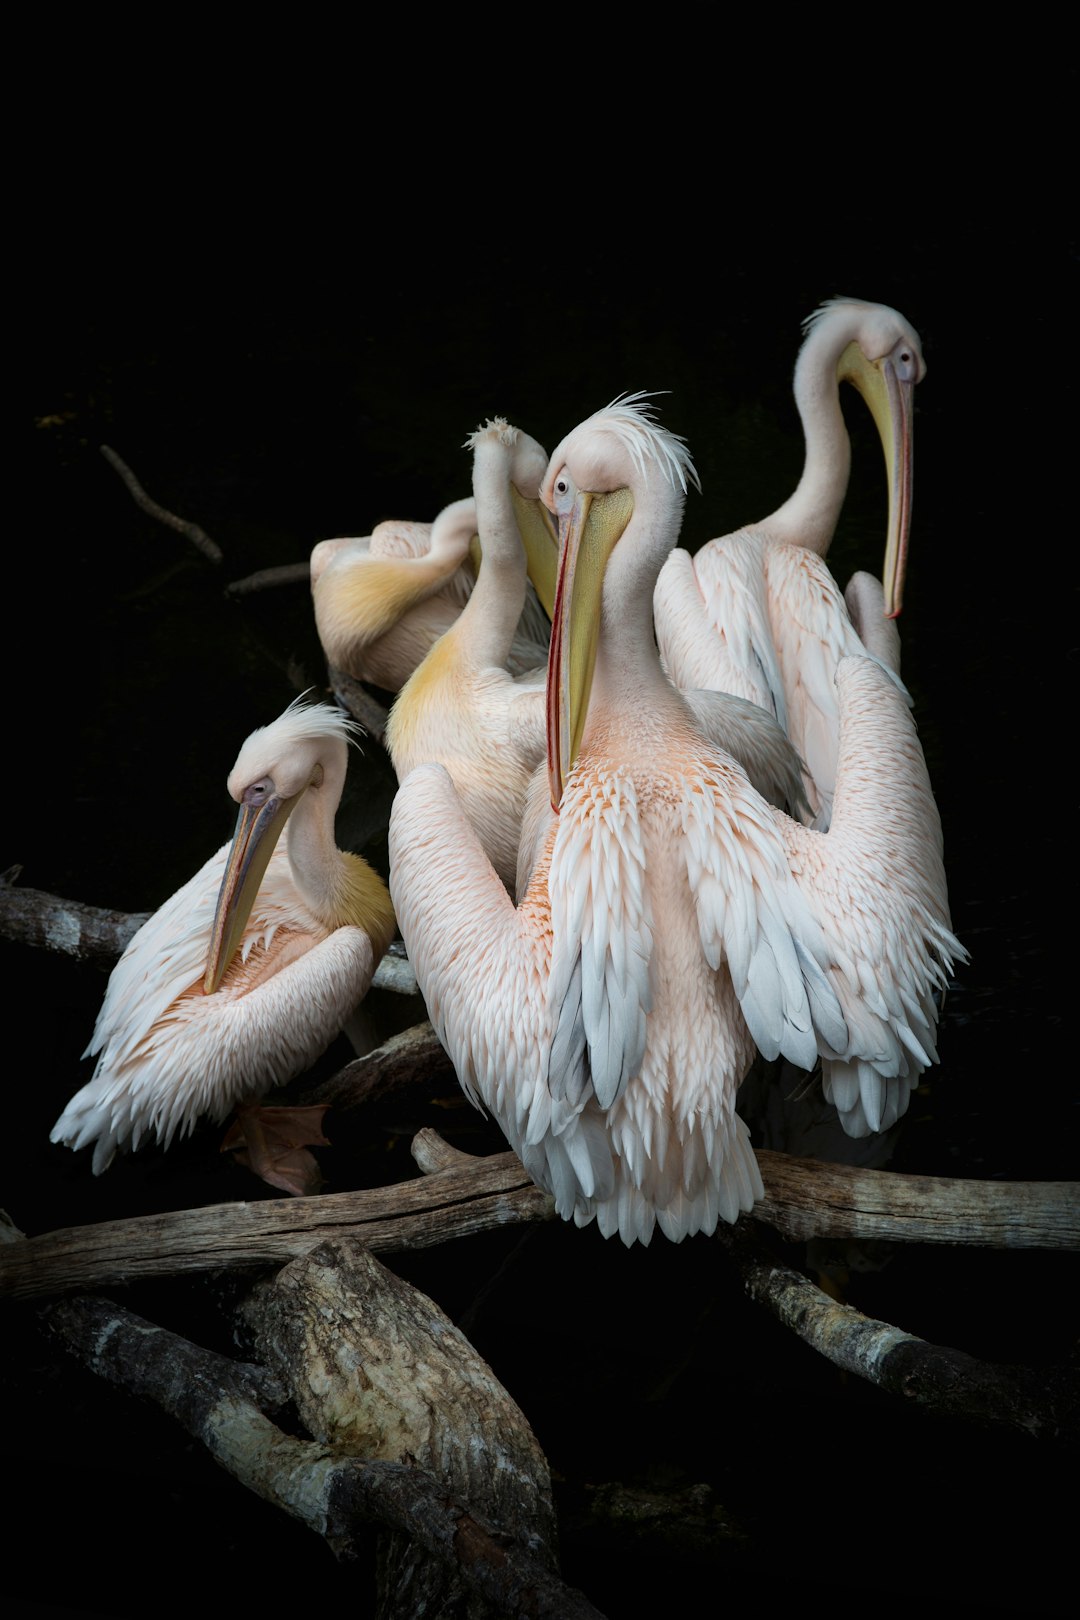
753 919
212 1050
876 885
483 968
712 625
599 990
751 736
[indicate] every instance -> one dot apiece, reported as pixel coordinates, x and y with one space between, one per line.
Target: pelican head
883 359
306 747
598 476
528 464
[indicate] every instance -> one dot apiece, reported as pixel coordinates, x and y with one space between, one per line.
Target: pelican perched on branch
248 972
675 922
462 707
382 601
758 612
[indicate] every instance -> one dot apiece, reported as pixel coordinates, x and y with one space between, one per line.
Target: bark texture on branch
465 1195
221 1404
1038 1402
378 1371
488 1193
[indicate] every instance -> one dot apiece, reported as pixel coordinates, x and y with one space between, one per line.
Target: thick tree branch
464 1195
318 1483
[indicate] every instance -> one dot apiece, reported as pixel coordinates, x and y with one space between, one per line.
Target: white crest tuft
839 302
304 721
495 426
634 424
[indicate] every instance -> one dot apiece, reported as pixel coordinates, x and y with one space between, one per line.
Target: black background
281 371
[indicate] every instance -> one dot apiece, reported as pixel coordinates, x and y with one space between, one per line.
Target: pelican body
673 922
241 979
758 612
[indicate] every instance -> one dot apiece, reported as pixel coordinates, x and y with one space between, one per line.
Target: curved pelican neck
628 672
809 516
309 838
485 628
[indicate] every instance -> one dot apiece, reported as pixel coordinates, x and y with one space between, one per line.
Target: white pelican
758 612
382 601
247 973
675 921
462 707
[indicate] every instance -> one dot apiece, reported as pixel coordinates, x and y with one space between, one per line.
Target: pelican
758 612
462 706
241 979
674 922
382 601
465 710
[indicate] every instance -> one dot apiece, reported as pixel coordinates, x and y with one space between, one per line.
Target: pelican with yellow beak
462 707
758 612
674 922
244 977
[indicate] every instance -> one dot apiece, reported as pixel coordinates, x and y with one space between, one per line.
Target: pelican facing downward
675 921
462 707
758 612
244 977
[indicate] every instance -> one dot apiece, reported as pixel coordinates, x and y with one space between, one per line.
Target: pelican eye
907 366
258 791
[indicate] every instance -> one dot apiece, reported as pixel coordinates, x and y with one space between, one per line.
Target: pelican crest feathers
633 422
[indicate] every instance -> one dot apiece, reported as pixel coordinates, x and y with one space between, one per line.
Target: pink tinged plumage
462 707
168 1053
674 921
381 601
757 612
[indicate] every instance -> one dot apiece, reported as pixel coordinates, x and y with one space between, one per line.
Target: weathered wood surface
223 1404
377 1370
465 1195
806 1198
416 1214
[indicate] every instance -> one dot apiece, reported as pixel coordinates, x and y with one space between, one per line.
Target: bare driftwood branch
807 1198
1041 1402
268 579
191 531
377 1370
489 1193
464 1195
323 1487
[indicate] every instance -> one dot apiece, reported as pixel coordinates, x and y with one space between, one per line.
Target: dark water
276 411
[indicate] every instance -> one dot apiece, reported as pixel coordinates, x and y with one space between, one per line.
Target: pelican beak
588 532
258 828
540 538
890 398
